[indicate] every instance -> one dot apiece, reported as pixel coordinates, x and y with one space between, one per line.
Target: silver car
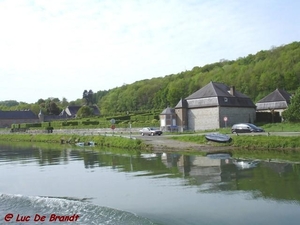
245 128
150 131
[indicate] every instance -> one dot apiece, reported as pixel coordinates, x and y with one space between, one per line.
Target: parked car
245 128
150 131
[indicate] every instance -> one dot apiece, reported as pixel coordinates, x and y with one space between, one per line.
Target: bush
70 123
90 122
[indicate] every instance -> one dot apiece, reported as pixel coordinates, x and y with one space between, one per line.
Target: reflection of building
203 169
170 159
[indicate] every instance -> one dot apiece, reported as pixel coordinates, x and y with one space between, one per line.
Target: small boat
217 137
90 143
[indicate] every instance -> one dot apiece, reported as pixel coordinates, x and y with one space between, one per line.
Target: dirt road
164 143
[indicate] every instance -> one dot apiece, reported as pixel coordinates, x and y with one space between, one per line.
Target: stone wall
203 118
181 118
213 117
236 115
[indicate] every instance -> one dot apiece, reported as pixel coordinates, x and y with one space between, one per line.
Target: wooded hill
255 75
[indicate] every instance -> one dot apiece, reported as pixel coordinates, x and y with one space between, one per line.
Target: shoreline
165 144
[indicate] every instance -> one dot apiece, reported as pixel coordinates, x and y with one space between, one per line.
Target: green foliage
52 107
266 142
281 143
70 123
254 75
121 117
88 97
282 127
46 124
9 103
108 141
88 122
292 114
122 121
145 117
199 139
85 111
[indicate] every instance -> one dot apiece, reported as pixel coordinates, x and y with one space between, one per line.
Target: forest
254 75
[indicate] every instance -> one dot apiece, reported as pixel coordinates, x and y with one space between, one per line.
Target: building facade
214 106
7 118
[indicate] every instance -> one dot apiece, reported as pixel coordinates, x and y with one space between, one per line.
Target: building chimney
232 90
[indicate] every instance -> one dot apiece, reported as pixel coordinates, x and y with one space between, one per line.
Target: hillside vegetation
254 75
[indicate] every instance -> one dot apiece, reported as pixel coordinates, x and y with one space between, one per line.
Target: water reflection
213 173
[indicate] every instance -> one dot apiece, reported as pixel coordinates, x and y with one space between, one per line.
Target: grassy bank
107 141
265 142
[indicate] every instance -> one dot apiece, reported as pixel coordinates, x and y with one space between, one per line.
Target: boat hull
217 137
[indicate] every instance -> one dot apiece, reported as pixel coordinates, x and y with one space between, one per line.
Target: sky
59 48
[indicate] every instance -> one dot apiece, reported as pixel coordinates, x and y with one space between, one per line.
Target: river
86 185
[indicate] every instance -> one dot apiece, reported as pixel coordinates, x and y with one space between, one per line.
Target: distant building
69 112
278 100
168 119
72 110
272 105
214 106
7 118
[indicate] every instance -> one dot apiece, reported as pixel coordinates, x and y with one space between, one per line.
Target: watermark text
10 217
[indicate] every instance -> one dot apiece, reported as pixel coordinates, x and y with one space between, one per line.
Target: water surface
106 186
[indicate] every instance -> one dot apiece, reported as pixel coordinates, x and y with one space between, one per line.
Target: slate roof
73 109
20 114
168 111
214 89
217 94
181 104
278 99
277 96
64 114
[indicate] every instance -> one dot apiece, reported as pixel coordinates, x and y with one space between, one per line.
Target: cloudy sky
59 48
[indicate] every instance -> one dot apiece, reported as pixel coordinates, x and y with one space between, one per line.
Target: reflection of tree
280 182
45 156
272 180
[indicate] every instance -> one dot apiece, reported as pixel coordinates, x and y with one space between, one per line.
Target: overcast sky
59 48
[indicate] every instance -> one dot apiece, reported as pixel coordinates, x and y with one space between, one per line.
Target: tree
292 114
88 97
51 107
9 103
64 102
40 101
84 112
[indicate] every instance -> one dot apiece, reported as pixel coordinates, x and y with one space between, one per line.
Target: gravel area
164 144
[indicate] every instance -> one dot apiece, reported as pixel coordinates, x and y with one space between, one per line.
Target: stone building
269 109
168 119
275 102
214 106
7 118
